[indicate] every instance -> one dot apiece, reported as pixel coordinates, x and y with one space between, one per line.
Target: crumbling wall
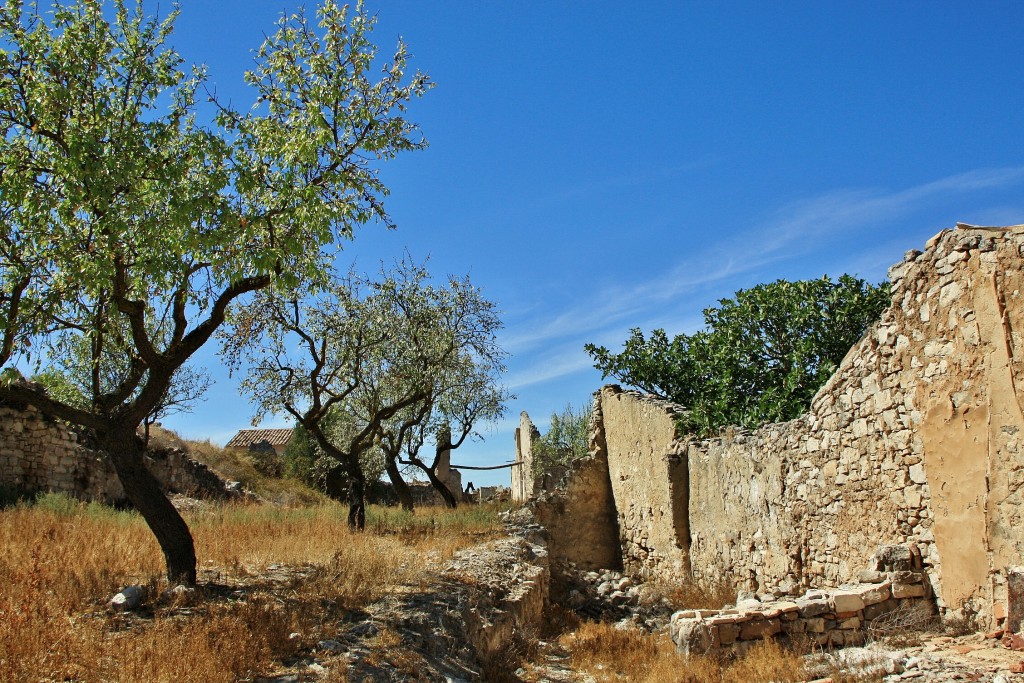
40 454
915 440
579 508
887 596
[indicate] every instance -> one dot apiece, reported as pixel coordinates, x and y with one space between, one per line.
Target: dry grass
238 467
692 595
610 654
269 572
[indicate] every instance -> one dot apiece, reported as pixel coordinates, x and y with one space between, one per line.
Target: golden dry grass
692 595
239 467
62 560
614 655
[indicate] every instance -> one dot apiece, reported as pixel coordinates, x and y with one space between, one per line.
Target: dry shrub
62 560
766 661
905 625
686 594
238 466
387 647
612 654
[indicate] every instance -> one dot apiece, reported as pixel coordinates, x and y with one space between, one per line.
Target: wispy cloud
567 359
793 230
798 227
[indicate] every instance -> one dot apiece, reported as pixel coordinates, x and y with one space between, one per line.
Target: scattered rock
332 646
128 599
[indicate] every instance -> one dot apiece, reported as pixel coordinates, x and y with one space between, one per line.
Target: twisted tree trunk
402 489
143 490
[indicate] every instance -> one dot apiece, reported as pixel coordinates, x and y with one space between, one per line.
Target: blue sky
597 166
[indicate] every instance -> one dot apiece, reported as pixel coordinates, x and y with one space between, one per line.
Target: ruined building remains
41 454
917 440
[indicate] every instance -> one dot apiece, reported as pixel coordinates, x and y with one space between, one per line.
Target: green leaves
121 210
761 358
372 353
567 440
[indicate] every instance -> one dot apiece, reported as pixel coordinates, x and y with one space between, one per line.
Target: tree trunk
356 499
401 488
449 497
143 490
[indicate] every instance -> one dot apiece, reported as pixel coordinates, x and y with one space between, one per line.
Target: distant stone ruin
916 441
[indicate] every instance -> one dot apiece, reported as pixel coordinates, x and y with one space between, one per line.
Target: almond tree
122 210
378 355
465 395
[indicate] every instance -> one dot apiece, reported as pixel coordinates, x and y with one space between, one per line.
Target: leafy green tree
761 358
121 210
567 439
362 352
81 372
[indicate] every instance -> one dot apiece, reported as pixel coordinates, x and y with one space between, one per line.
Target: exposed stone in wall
916 440
39 454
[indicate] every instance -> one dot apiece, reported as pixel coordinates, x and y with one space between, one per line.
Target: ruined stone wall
39 454
578 507
522 473
915 440
885 599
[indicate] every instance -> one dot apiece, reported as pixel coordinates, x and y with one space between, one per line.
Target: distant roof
247 437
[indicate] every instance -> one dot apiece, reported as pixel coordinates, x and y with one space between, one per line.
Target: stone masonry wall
522 472
39 454
885 598
916 440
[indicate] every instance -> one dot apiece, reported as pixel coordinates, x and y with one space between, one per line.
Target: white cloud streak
795 229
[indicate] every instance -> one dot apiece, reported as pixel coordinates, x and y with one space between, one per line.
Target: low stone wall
40 454
885 599
509 587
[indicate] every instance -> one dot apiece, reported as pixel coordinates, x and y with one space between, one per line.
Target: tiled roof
247 437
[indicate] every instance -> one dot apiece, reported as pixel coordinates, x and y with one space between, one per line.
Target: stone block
759 628
870 576
692 636
795 626
849 623
873 594
889 558
908 590
815 625
813 607
846 601
728 633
